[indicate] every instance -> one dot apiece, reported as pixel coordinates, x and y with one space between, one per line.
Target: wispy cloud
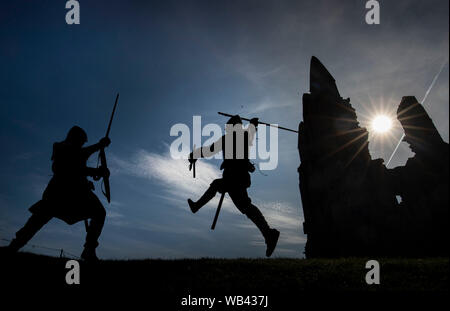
267 104
178 185
172 174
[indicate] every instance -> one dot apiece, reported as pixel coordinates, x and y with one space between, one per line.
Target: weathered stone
349 200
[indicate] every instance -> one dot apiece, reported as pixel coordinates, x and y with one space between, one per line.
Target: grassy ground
202 277
289 284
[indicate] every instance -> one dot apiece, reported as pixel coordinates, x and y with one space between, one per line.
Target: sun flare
381 124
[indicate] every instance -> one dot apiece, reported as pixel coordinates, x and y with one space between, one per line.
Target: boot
271 241
89 255
193 206
270 235
14 246
205 198
33 225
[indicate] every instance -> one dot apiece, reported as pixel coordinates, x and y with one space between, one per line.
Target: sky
171 60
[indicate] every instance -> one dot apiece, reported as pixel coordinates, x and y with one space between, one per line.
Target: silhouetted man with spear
236 167
69 195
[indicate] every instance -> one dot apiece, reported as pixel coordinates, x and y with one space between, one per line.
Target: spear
102 155
102 158
269 124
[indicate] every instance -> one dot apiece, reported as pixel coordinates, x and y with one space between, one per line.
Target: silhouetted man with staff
69 194
236 167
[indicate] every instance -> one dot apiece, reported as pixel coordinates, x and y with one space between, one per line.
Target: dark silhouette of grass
257 276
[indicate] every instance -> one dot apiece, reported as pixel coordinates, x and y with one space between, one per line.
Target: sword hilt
192 163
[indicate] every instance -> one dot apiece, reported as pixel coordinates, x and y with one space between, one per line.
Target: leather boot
271 241
89 254
206 197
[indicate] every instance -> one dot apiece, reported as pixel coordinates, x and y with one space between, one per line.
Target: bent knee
217 185
216 182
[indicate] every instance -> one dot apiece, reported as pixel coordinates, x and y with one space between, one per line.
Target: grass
235 275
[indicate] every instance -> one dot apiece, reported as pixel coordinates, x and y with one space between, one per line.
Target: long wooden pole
260 122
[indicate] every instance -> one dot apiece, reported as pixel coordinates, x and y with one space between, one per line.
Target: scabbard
218 211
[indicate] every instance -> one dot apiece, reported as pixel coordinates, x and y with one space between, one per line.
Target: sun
381 124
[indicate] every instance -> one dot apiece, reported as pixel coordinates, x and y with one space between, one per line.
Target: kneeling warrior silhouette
235 179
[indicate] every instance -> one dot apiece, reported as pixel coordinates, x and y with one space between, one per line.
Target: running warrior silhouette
69 194
235 179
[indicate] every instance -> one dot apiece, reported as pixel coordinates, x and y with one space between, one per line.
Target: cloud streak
178 185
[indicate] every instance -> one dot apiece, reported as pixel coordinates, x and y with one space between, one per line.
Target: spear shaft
102 157
260 122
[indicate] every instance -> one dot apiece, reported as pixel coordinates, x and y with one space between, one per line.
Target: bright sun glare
381 124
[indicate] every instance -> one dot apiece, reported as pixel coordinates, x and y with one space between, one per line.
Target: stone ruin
350 200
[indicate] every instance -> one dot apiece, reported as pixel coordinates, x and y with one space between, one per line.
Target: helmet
76 135
236 119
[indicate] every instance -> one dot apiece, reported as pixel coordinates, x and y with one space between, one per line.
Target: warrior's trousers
240 198
39 219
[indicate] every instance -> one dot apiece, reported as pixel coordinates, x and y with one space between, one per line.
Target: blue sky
174 59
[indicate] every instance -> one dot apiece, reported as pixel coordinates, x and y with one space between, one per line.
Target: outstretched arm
207 151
